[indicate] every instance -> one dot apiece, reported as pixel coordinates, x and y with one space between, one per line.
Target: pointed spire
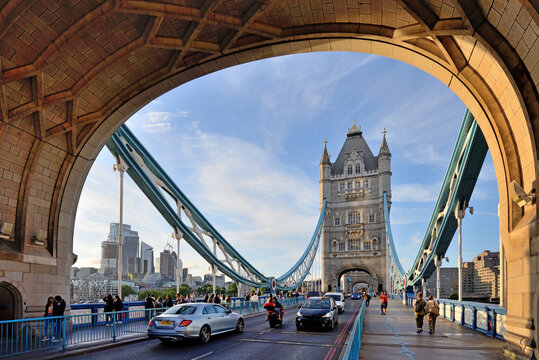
384 148
325 156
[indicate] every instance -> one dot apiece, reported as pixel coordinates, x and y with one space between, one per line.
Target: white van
338 298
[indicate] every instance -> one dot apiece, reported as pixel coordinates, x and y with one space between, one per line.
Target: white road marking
201 356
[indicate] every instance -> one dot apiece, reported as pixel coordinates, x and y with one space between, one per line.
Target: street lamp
120 167
460 211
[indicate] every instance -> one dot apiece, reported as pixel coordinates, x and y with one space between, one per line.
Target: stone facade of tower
353 236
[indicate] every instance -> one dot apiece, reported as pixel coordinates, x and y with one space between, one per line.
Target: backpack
419 306
435 310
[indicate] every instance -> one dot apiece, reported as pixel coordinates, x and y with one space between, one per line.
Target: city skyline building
146 258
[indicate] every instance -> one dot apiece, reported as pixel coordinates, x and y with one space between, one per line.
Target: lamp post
460 211
120 167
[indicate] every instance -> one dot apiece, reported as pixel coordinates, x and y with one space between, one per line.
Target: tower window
367 245
365 184
371 218
342 246
349 169
349 185
353 244
337 221
375 244
358 168
341 187
354 218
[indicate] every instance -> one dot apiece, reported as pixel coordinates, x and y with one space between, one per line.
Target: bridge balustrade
88 323
488 319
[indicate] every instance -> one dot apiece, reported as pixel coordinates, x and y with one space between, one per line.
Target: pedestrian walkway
394 337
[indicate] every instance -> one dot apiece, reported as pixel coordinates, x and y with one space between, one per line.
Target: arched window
349 169
334 245
358 168
375 244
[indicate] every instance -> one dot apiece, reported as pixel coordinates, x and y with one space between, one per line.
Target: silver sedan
194 321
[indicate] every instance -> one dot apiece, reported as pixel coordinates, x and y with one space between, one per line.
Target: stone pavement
394 337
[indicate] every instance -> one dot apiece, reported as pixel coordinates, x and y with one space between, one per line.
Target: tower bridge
72 73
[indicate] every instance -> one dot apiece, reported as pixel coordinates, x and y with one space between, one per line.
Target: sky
244 145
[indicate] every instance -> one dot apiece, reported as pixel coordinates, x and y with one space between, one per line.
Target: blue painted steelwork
151 178
27 335
460 179
397 272
354 342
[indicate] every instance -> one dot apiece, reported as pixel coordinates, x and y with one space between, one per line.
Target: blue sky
244 144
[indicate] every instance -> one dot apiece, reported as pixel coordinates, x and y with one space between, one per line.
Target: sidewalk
394 337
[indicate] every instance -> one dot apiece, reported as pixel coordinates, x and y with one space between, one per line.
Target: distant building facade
354 236
146 259
167 264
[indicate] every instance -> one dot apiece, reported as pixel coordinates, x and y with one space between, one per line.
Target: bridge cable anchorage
459 182
155 184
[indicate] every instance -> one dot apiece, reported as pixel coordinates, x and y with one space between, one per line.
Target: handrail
354 344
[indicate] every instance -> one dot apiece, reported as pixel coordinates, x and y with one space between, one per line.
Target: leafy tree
232 289
127 290
454 297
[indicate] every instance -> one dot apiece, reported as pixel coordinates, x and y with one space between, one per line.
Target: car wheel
205 334
240 325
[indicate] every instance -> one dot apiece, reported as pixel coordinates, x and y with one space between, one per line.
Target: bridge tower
353 236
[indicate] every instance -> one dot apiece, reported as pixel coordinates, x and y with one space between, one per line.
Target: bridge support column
437 263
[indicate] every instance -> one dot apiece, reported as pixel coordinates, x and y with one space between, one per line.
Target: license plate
165 323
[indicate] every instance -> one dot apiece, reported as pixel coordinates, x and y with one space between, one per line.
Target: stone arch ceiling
66 66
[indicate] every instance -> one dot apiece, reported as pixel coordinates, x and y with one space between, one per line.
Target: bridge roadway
258 341
394 337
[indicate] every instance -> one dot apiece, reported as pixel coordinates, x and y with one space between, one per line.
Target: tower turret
325 174
384 167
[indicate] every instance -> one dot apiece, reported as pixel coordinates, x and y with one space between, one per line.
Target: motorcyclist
278 307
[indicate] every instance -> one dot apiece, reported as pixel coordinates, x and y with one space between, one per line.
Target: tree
232 289
454 297
127 290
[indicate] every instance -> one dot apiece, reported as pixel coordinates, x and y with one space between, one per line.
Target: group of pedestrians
422 307
112 305
55 307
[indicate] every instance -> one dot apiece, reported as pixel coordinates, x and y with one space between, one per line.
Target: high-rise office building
146 258
167 263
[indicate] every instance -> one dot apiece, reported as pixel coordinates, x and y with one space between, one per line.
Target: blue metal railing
60 332
354 344
488 319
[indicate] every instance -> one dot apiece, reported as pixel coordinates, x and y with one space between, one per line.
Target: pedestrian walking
159 302
367 299
178 299
49 311
58 310
206 298
216 299
419 311
383 303
254 301
118 306
109 308
433 310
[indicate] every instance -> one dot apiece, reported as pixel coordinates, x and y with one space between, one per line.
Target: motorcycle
275 315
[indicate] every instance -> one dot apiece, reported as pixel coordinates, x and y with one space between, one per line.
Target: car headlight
328 315
298 313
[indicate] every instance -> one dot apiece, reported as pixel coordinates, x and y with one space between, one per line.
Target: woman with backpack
419 311
433 310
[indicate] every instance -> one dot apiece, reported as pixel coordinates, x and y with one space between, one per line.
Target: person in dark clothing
206 298
168 301
58 310
118 306
367 299
216 299
149 304
49 311
109 308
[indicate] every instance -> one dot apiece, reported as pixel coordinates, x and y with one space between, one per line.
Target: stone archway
10 302
341 274
63 93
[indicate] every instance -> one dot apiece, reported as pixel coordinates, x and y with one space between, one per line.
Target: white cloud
415 192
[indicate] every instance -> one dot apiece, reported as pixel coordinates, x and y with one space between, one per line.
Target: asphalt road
258 341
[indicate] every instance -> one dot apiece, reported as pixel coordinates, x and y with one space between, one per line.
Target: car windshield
334 297
182 309
317 304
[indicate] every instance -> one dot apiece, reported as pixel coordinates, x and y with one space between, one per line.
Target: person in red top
383 303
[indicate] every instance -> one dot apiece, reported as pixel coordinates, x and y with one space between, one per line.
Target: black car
313 293
318 311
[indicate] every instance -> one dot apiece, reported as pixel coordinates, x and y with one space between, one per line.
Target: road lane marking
287 342
201 356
